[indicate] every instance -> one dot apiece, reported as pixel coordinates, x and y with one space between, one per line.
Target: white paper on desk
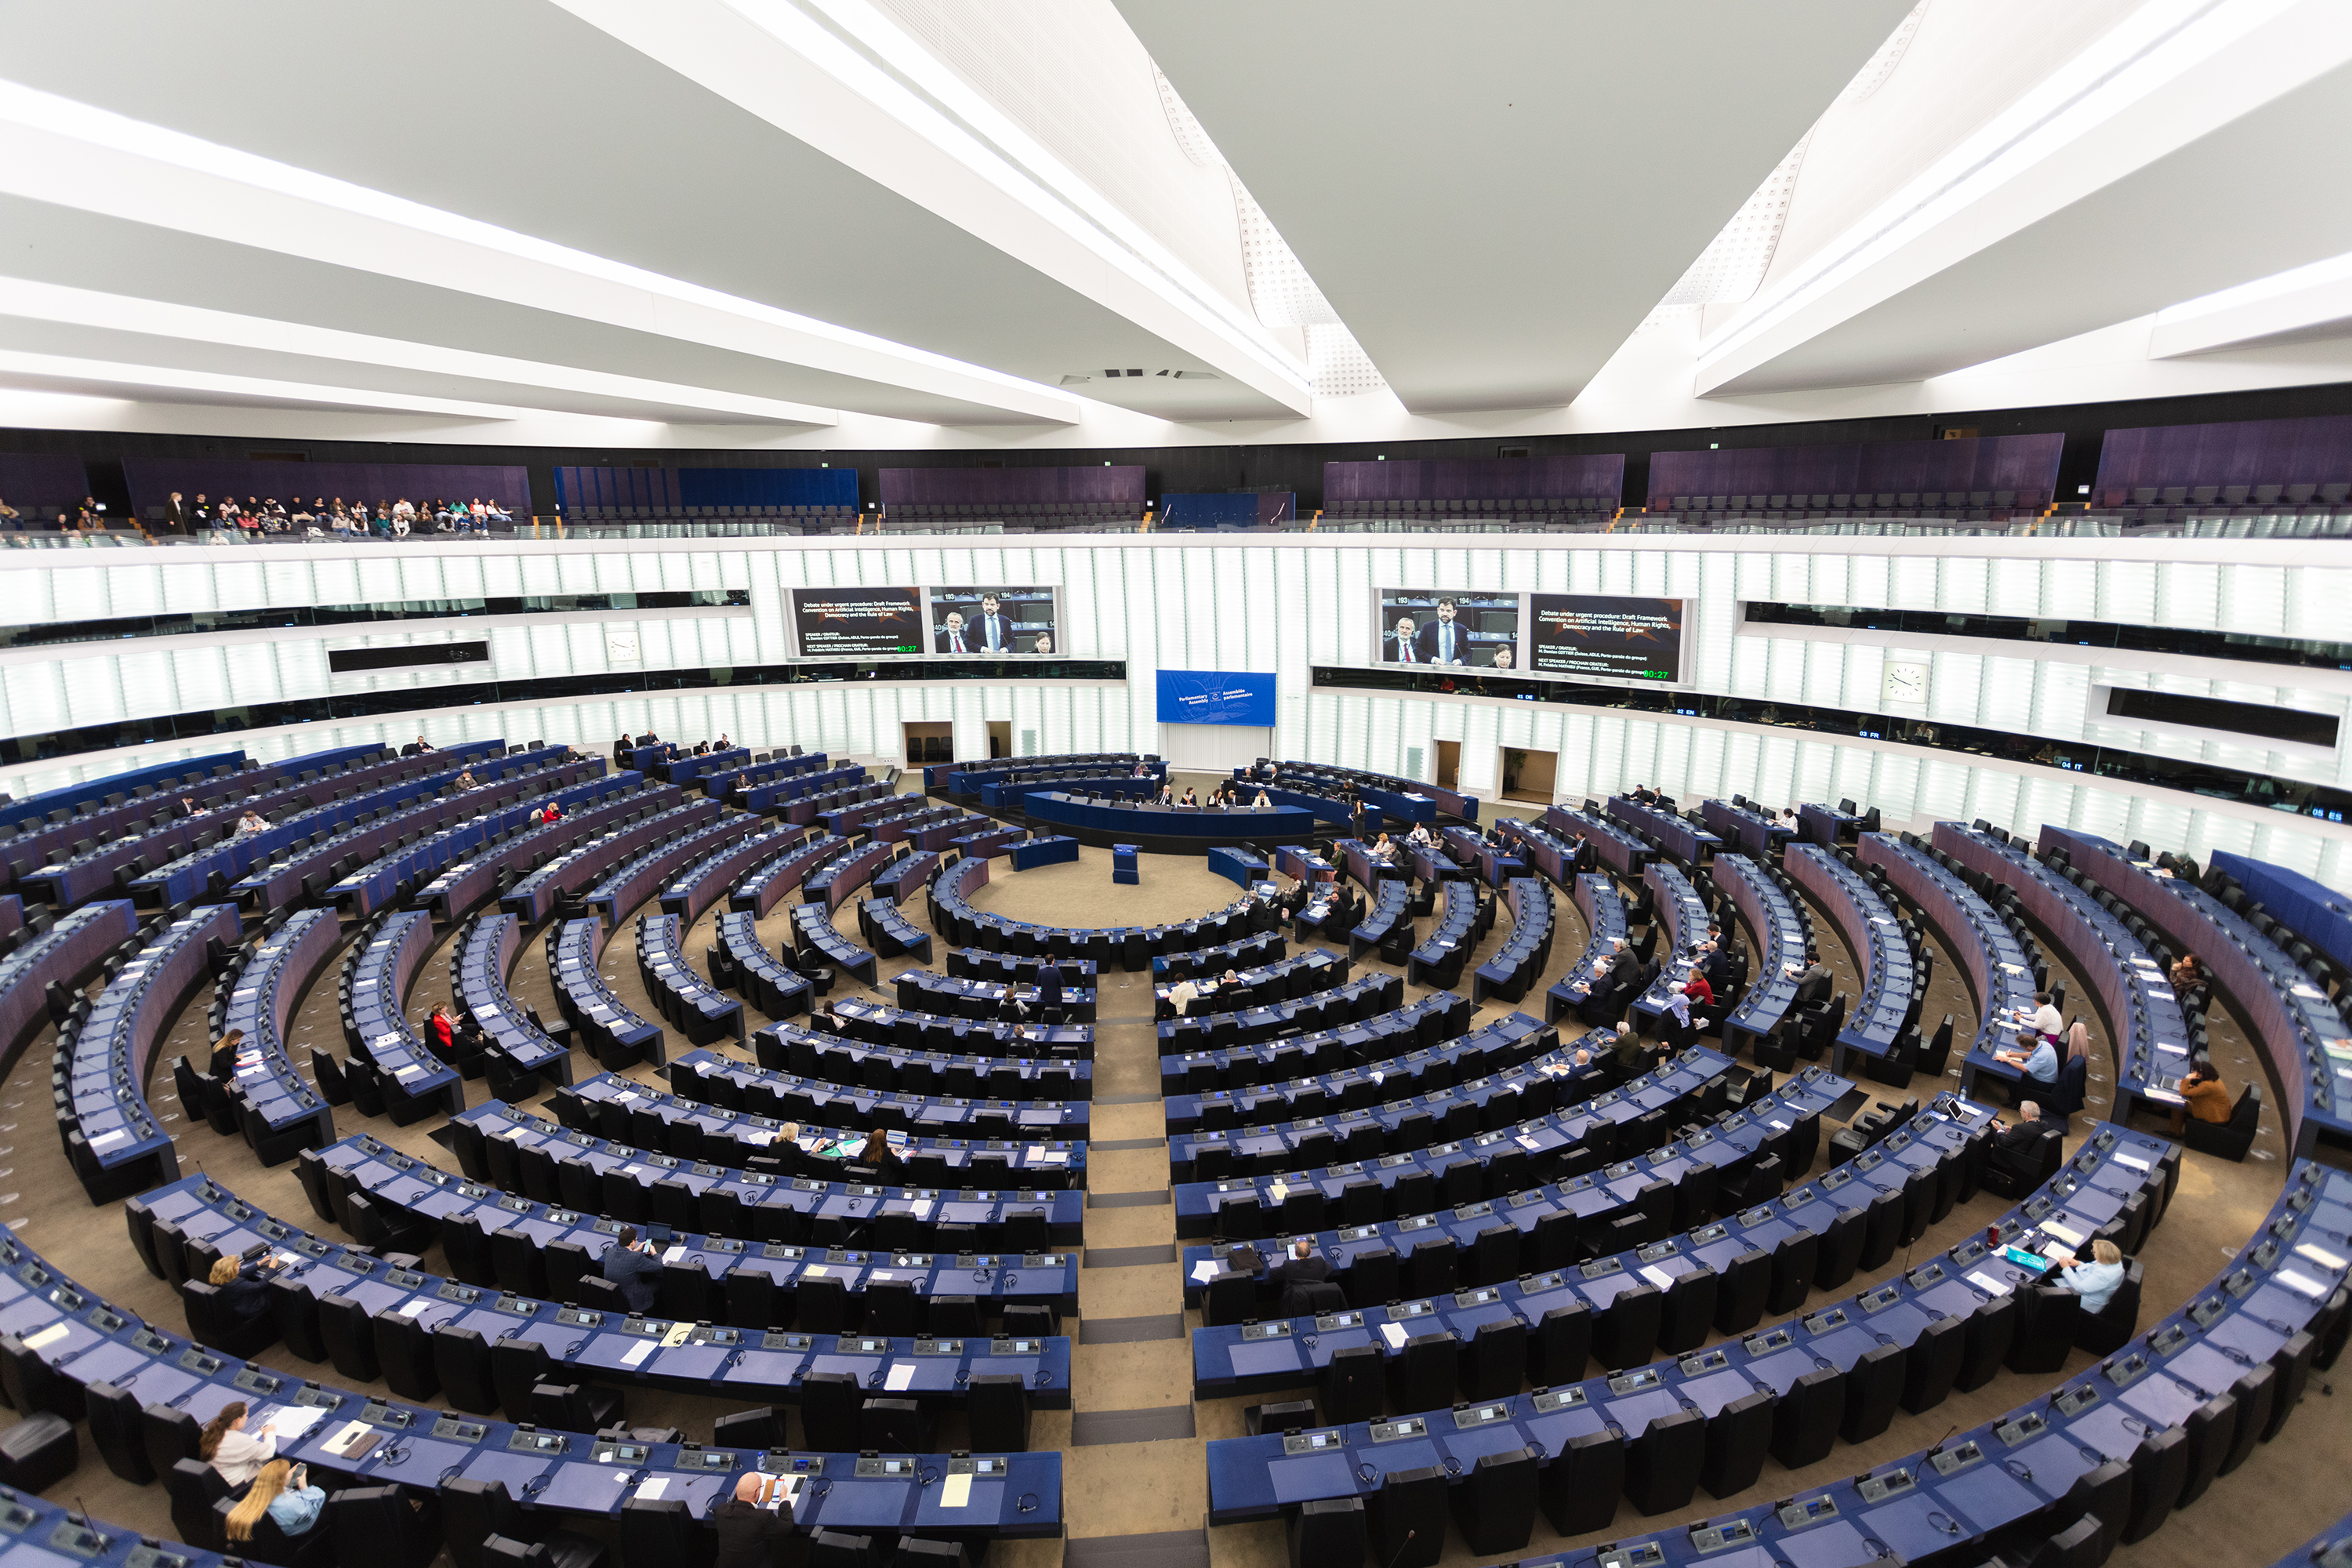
2014 968
2166 1048
514 1132
103 1138
638 1352
2132 1161
902 1373
2295 1279
654 1489
48 1336
922 1207
293 1420
2320 1256
674 1252
1527 1143
955 1491
490 1014
412 1306
815 1270
2307 991
2073 1238
1205 1270
1658 1276
1988 1284
412 1070
1394 1334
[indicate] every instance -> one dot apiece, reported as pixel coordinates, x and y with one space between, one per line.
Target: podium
1122 866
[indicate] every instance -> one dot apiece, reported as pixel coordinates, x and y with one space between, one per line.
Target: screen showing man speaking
990 620
858 622
1602 634
1471 631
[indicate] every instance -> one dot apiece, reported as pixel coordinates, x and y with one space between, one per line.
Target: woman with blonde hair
225 1447
281 1491
241 1287
2096 1281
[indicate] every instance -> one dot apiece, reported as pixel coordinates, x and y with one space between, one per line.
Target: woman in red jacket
441 1035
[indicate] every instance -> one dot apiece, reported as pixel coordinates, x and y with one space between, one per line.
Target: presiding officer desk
603 1346
1562 1274
1186 828
716 1081
2134 993
2300 1030
1591 1438
346 1437
1463 1166
389 1178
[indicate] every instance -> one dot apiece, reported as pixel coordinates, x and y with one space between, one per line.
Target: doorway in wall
929 743
1528 775
1449 764
999 737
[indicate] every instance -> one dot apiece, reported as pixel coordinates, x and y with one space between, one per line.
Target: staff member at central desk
749 1534
633 1268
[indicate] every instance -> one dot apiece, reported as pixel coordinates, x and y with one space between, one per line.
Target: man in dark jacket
2023 1137
634 1268
1049 983
1293 1275
750 1536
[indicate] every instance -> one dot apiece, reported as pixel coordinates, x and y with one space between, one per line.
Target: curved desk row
787 1193
711 1079
278 1112
609 1028
1555 858
378 882
1408 800
1527 953
1630 1260
857 817
659 814
1683 916
2301 1031
410 1079
65 956
919 990
765 887
1783 933
838 880
812 808
1756 833
1355 1000
879 1024
111 1137
1999 968
1250 951
776 769
685 768
741 964
1131 947
651 867
906 824
699 886
908 876
890 934
1789 1391
1585 990
1462 921
454 891
1284 976
737 1357
688 1002
505 781
353 1438
1390 1038
836 1058
938 774
1890 975
485 955
392 1181
1014 795
1387 920
1185 829
2152 1041
1467 1144
813 931
1675 834
1610 845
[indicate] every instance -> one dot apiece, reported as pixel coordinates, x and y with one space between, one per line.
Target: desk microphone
1938 1447
1400 1546
104 1541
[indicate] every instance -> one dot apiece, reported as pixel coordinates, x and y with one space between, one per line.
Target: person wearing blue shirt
2097 1280
634 1268
2035 1054
1443 640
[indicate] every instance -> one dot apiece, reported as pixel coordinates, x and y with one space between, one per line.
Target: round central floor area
1080 892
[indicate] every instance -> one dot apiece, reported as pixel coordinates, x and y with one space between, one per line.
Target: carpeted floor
1135 1484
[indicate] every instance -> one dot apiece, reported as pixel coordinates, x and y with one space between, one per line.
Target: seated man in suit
631 1265
1813 969
951 638
1290 1279
2021 1138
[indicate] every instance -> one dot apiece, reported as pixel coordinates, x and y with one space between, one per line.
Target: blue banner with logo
1216 697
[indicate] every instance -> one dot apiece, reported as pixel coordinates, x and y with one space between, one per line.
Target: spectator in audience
2033 1053
224 1444
2187 974
751 1533
2204 1095
93 515
2024 1134
283 1491
381 526
631 1265
2097 1280
441 1034
175 514
224 1065
242 1287
1295 1274
402 514
497 513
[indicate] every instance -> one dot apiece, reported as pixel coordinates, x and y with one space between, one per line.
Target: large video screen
1606 635
1474 631
992 620
858 622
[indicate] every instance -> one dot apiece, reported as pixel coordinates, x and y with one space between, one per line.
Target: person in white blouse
225 1445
